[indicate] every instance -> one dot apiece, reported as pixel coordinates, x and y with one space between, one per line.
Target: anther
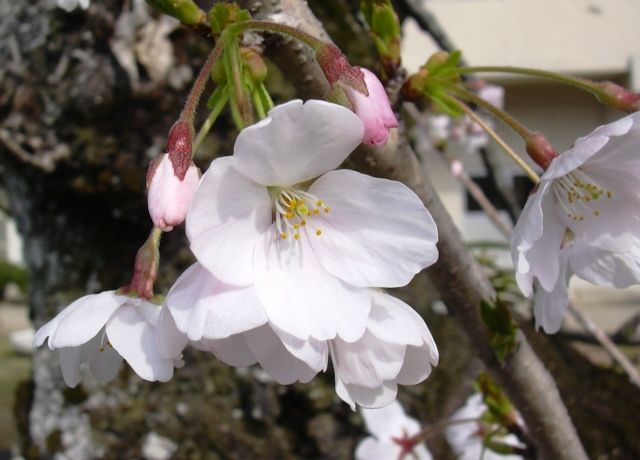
318 232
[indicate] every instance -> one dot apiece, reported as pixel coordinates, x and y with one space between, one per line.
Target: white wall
587 37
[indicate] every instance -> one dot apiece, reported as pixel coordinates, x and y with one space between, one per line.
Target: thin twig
607 344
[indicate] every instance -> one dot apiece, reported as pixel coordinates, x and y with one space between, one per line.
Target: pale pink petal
134 339
366 397
297 142
368 362
386 421
204 307
84 318
373 449
104 361
227 216
393 321
70 360
549 307
274 358
605 268
232 350
535 255
313 352
301 298
170 340
377 232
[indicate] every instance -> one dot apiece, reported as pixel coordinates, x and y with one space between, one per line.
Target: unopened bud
618 97
337 69
172 179
170 196
540 150
374 109
414 87
179 147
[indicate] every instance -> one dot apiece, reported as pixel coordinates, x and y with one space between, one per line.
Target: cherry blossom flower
170 194
392 431
307 248
583 220
102 329
396 348
374 110
467 439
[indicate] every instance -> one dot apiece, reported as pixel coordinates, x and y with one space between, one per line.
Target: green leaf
502 328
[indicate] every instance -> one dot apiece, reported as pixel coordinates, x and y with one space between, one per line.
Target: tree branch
460 280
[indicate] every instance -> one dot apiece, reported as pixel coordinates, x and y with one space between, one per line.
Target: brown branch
460 280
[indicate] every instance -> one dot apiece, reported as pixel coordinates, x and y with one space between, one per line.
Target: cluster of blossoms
291 254
582 220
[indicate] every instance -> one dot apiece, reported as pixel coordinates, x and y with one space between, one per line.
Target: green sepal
184 10
223 14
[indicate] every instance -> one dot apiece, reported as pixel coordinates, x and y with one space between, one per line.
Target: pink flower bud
374 110
540 150
169 196
618 97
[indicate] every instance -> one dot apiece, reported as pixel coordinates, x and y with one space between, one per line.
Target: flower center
579 195
293 208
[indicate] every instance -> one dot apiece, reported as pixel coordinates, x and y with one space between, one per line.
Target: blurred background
86 98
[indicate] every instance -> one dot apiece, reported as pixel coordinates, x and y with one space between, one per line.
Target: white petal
313 352
83 319
417 364
549 307
104 361
274 358
372 449
70 360
536 241
232 350
605 268
377 233
297 142
301 298
575 157
204 307
368 362
170 340
226 217
384 422
394 321
134 338
367 397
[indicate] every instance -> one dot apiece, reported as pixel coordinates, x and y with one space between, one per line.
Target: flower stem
438 427
576 82
492 109
190 106
276 28
508 150
215 112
